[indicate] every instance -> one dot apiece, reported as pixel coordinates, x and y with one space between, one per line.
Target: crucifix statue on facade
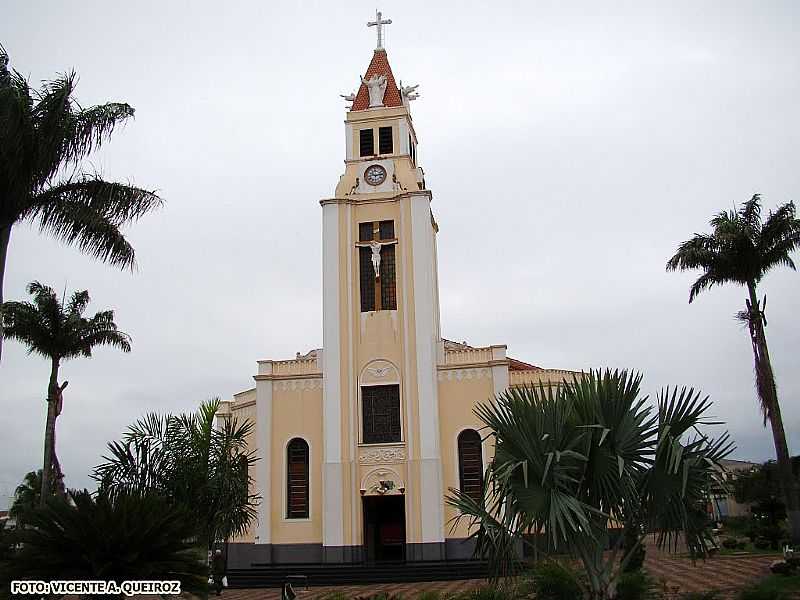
376 246
379 23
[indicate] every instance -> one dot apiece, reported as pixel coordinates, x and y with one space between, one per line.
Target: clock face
375 175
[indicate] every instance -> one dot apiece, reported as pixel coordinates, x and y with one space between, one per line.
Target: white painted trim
333 493
284 503
431 492
351 255
348 144
403 255
263 532
403 134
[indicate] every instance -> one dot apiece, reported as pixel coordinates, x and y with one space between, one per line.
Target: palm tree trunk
50 432
768 393
5 237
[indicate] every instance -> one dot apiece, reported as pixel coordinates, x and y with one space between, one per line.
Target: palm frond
78 303
89 213
696 253
59 332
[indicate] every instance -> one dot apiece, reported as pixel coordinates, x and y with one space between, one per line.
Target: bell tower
381 333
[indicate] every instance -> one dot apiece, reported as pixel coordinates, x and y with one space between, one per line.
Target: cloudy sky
569 150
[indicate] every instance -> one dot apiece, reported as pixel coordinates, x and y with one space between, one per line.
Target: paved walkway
680 575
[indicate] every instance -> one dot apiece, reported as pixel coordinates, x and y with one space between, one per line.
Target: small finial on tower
379 23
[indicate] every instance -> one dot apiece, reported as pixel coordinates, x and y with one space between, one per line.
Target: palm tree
58 332
129 537
574 462
741 249
27 496
44 136
201 464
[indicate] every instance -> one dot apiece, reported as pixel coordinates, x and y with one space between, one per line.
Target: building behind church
359 441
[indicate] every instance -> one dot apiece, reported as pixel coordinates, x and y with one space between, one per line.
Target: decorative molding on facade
379 372
235 406
302 366
382 455
462 374
286 385
391 197
547 377
383 481
466 355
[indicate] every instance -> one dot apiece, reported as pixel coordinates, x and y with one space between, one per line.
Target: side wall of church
244 409
296 413
460 390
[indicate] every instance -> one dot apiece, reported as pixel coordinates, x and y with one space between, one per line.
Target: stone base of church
248 556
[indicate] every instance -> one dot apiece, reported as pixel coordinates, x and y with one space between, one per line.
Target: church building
359 441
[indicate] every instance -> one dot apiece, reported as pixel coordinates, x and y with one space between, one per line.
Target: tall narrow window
366 142
470 464
385 143
387 280
380 408
297 479
376 249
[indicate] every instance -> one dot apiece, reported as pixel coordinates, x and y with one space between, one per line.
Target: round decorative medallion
375 175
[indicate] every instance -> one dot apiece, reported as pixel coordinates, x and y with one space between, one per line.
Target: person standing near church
218 570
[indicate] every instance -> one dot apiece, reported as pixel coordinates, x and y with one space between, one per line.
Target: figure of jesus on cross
379 23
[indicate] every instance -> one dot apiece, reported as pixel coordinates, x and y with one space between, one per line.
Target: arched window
297 479
470 464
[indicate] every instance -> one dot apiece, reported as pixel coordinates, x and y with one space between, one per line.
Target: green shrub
430 595
554 581
487 592
730 543
635 586
737 525
761 543
773 587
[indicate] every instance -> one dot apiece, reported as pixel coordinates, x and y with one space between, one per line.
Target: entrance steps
348 574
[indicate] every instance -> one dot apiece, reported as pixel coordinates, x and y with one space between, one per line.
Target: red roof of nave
378 66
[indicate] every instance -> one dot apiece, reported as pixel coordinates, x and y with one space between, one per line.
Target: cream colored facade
319 398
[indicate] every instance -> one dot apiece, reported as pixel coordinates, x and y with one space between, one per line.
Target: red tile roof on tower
378 66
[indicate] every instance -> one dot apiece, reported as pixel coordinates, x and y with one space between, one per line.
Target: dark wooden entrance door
384 528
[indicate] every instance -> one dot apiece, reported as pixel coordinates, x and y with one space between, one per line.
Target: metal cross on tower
379 23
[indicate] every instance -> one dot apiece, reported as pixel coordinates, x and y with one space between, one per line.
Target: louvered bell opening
366 142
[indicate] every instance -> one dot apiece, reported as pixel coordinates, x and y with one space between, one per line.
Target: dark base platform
276 575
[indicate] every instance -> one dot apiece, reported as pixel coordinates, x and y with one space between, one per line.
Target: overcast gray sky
569 147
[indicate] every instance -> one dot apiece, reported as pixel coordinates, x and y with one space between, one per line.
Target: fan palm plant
741 249
576 461
128 537
44 136
27 496
200 463
58 331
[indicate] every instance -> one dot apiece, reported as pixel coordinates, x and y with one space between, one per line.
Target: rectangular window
386 229
385 144
388 287
377 293
365 232
367 272
380 407
367 142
